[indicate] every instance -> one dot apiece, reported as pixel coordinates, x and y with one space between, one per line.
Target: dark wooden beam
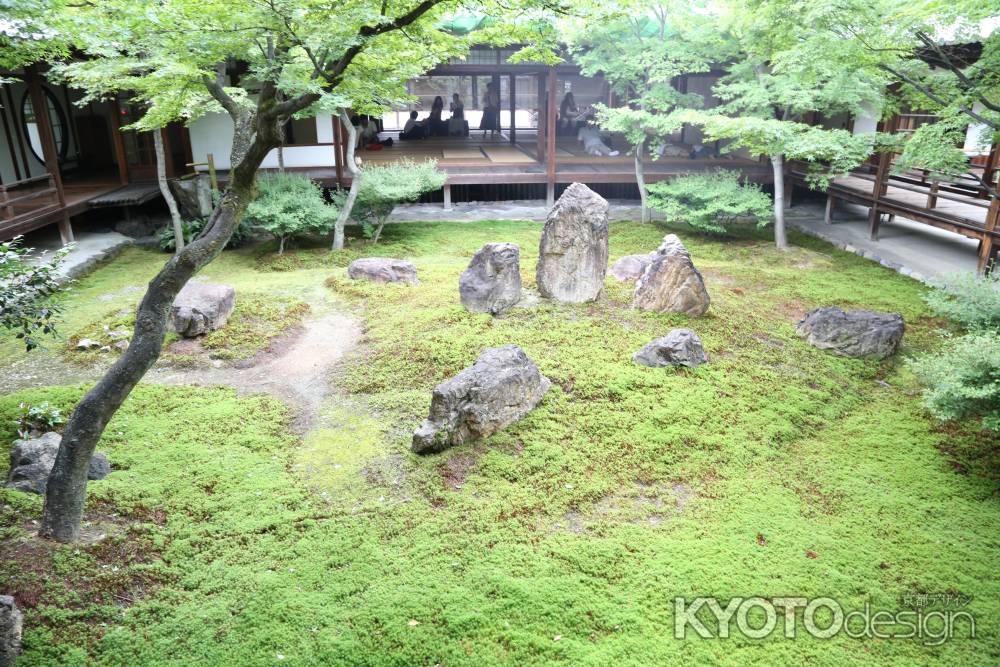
19 134
550 139
10 143
39 105
512 91
119 142
337 140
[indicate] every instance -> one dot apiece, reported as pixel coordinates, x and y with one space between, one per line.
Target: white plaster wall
973 134
213 134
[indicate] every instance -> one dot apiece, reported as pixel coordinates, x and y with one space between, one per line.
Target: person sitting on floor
413 128
437 127
457 127
592 141
568 116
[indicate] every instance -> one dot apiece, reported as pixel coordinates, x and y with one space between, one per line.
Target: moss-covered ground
775 470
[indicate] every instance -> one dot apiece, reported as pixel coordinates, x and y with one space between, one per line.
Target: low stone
630 267
856 333
501 387
87 344
492 283
31 462
121 345
118 333
105 348
200 308
383 270
671 283
680 347
11 625
573 251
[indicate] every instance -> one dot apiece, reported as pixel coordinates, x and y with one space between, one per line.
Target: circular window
56 119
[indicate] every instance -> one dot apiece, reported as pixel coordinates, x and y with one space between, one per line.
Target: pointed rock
200 308
671 283
573 252
492 283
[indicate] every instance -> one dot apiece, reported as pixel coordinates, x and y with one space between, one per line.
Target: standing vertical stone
671 283
573 252
492 283
10 631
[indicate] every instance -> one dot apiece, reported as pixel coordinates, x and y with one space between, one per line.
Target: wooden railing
10 200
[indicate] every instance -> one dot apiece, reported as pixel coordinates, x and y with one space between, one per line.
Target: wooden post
990 168
932 197
18 134
881 184
447 196
550 143
540 125
119 141
988 248
213 179
512 91
39 105
10 142
828 214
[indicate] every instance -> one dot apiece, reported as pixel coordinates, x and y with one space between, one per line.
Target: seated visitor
569 115
437 127
413 128
592 141
457 127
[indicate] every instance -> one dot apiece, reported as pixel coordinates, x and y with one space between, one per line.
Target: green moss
627 487
256 321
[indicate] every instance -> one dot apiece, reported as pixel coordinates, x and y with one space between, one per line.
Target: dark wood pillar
881 183
540 125
550 139
988 247
51 155
119 142
17 133
512 90
10 141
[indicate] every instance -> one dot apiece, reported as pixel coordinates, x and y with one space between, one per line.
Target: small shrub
192 228
963 380
968 300
32 420
384 186
711 201
289 205
26 290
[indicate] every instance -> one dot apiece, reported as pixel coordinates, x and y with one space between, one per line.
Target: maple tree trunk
778 167
66 489
168 196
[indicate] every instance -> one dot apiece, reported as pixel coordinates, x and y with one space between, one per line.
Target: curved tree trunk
168 196
67 484
640 179
778 167
352 194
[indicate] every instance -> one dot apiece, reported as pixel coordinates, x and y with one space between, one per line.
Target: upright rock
573 252
500 388
383 270
492 283
11 622
200 308
680 347
857 333
31 462
630 267
671 283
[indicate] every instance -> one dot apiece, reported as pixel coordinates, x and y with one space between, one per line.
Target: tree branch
934 97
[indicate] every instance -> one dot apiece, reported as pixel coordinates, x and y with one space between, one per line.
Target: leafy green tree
640 48
784 70
382 187
917 45
28 286
290 205
710 202
261 63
